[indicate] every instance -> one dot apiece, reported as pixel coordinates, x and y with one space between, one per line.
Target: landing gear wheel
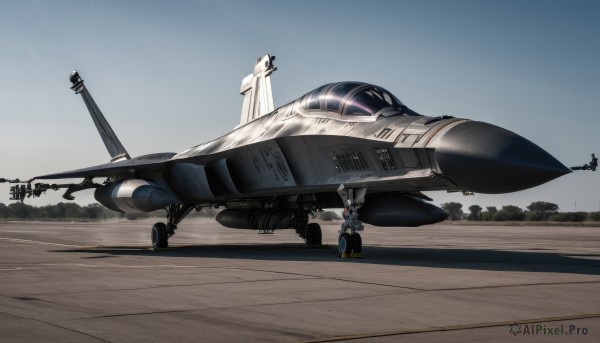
356 245
345 244
160 237
314 235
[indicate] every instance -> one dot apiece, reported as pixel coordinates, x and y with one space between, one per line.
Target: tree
595 216
489 214
5 211
509 212
20 210
454 210
475 212
569 217
541 210
93 211
72 210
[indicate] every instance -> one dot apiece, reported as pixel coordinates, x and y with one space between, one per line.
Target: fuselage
354 134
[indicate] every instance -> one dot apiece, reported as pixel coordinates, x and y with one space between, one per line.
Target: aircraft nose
484 158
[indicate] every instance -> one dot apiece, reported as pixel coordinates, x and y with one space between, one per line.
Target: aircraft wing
142 163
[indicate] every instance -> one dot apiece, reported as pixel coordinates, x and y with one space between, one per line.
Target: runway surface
99 282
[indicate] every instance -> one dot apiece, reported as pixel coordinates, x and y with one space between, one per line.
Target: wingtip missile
592 165
76 81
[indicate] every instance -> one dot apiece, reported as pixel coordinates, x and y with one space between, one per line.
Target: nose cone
484 158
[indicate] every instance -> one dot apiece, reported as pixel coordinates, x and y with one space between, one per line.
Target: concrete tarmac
100 282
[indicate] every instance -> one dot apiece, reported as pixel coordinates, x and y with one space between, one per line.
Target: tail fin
112 143
256 89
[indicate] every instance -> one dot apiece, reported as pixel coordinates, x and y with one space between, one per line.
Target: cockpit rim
304 105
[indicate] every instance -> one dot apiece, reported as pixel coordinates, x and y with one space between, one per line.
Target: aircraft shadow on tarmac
476 259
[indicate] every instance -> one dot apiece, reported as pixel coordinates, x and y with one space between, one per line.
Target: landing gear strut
350 243
161 231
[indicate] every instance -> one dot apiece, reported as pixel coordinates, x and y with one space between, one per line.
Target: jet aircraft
349 145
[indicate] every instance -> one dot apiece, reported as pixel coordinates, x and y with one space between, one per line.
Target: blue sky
167 74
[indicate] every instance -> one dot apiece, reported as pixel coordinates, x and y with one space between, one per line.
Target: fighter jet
349 145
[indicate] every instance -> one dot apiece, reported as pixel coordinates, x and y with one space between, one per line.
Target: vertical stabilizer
256 89
112 143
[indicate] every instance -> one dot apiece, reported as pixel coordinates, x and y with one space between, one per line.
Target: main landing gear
349 241
160 237
310 232
161 231
314 237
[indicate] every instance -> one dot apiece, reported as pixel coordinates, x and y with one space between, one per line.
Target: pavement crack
450 328
56 325
378 284
329 278
169 286
509 286
240 306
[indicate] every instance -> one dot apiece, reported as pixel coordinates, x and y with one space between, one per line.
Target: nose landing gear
350 243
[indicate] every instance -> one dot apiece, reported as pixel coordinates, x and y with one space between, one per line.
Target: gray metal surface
493 153
134 196
256 89
97 282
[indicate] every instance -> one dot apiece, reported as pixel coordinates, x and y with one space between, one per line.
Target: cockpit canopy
354 99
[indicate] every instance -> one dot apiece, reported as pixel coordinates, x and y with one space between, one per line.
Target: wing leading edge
122 167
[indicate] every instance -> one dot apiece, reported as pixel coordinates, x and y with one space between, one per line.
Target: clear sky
167 74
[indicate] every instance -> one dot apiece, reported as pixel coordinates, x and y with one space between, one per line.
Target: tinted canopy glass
315 97
354 99
369 100
338 93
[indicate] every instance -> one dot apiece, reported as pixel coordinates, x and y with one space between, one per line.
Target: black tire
345 244
314 236
160 237
356 244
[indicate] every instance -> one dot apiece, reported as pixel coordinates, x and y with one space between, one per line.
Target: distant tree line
74 211
63 210
536 211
